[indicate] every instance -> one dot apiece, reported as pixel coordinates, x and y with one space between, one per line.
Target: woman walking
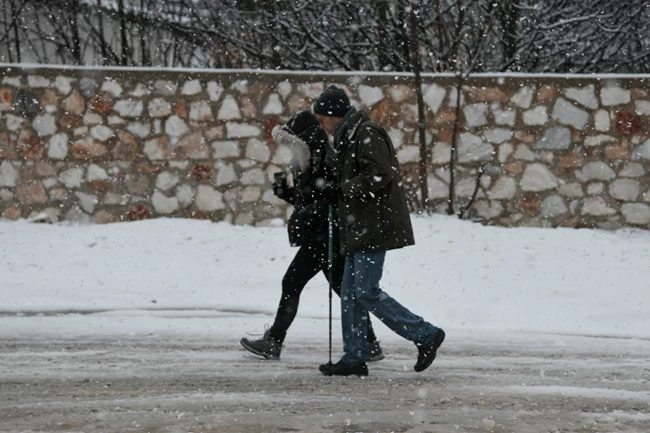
311 166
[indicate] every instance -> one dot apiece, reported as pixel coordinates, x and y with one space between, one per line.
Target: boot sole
360 374
258 353
377 358
346 375
438 340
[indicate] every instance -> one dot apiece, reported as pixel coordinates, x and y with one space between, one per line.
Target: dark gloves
332 192
280 187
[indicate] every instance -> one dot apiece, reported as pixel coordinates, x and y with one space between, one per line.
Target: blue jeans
360 294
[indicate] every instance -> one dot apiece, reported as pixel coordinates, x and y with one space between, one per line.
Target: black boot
265 346
374 351
343 369
427 350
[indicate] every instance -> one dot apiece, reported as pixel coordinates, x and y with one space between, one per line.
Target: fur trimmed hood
300 152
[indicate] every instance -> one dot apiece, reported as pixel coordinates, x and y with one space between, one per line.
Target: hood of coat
300 153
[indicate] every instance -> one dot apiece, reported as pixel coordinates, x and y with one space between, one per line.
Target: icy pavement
547 331
172 375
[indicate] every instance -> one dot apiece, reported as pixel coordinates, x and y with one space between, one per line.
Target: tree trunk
144 54
14 20
383 24
121 19
510 16
451 201
272 9
74 28
415 61
7 23
402 39
102 40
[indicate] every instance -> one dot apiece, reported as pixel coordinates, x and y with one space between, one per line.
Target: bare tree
14 14
527 35
415 56
465 43
103 46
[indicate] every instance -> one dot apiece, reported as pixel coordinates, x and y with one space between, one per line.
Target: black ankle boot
265 346
374 352
427 350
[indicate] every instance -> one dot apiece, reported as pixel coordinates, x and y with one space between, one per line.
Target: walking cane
330 266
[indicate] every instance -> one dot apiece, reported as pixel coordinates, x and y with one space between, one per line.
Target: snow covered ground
135 327
459 275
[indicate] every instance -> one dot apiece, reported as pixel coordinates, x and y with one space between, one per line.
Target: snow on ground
134 327
459 275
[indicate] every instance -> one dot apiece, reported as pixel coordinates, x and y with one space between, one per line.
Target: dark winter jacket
309 220
373 215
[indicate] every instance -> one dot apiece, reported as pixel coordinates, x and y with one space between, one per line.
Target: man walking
307 229
373 218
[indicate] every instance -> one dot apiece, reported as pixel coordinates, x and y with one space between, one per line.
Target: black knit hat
332 102
300 122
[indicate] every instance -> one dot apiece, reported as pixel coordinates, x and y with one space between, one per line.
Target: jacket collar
348 128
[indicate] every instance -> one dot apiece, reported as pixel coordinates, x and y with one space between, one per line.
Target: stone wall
105 145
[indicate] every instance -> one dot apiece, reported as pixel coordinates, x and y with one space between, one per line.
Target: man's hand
332 192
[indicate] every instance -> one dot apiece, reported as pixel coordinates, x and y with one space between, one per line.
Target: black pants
310 259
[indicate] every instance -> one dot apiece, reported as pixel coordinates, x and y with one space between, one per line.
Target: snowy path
547 331
161 380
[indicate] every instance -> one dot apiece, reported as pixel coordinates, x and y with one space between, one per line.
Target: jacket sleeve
290 196
316 209
375 169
